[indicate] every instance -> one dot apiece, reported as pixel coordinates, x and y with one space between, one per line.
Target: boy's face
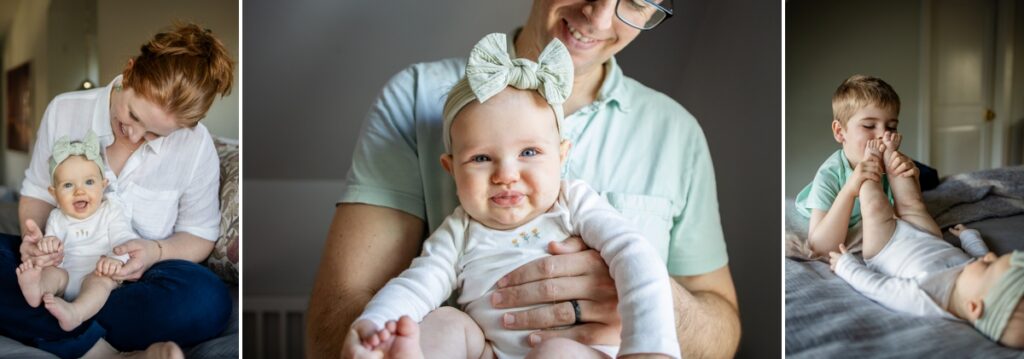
506 158
78 187
866 124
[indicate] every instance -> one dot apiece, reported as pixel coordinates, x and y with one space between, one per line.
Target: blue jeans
175 300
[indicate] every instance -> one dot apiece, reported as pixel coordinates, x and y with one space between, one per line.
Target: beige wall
124 25
26 41
826 42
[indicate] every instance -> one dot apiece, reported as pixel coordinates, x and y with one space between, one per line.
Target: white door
962 60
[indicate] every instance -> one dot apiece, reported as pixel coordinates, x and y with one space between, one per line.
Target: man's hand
574 271
833 257
901 166
30 247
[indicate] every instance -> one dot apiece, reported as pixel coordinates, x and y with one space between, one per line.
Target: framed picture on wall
19 108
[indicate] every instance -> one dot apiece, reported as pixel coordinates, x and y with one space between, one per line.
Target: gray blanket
977 195
826 318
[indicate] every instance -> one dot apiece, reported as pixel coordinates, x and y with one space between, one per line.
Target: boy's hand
107 266
901 166
50 245
833 257
869 169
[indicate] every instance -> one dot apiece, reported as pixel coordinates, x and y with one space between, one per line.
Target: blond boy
863 108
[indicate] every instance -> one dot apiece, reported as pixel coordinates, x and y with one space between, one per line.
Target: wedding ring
576 310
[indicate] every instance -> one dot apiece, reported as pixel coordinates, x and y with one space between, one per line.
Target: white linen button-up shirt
168 185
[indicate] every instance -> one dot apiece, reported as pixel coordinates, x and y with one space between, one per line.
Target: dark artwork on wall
19 108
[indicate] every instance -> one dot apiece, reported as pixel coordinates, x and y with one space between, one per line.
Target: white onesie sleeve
641 278
429 280
970 241
898 294
119 229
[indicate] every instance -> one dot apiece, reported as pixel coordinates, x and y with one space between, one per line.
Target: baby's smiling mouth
80 205
507 198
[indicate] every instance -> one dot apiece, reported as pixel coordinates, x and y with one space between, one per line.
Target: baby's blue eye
67 185
480 158
529 152
90 182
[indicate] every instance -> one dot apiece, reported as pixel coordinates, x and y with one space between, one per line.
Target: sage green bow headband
1002 299
490 70
64 148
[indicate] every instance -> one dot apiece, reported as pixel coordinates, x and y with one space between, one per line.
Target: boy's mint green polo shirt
823 190
637 147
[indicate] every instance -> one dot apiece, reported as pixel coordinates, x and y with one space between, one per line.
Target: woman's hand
30 247
142 254
574 271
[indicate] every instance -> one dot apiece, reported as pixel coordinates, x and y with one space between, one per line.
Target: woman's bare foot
162 350
28 278
65 312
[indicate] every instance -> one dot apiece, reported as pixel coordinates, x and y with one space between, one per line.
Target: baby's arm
970 240
52 241
642 282
427 283
898 294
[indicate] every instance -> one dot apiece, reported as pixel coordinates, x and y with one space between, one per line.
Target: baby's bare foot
406 343
28 278
874 148
892 141
65 312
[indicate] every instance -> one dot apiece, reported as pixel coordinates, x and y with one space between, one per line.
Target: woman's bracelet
161 247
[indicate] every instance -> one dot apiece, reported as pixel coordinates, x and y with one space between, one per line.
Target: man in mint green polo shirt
643 151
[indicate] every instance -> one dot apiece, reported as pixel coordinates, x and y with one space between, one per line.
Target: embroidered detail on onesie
82 232
526 238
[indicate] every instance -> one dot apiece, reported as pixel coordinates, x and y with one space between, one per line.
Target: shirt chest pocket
652 215
153 212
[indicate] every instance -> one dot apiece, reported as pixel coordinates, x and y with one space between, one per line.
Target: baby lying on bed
912 270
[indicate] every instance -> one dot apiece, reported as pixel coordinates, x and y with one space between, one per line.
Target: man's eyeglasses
643 14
